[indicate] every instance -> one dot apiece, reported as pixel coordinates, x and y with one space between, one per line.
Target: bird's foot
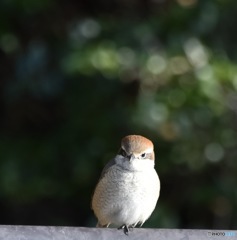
125 228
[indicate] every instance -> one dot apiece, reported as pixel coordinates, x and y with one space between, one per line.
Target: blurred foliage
76 76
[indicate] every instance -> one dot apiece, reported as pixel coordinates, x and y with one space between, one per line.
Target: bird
129 187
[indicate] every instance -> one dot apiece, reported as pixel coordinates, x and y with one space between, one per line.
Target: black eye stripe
122 152
143 155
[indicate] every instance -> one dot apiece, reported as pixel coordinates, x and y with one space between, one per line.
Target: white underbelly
127 197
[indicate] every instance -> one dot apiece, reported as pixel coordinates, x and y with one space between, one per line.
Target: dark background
77 76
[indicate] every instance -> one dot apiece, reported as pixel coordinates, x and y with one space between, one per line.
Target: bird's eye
143 155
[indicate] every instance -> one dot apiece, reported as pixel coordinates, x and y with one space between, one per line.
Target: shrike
129 187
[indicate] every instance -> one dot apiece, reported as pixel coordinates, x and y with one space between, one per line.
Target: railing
83 233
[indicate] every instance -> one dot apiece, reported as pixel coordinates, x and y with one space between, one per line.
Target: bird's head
136 153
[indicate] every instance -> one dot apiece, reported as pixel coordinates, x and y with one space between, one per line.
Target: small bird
129 187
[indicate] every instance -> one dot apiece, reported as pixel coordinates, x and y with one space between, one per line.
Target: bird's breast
125 196
134 187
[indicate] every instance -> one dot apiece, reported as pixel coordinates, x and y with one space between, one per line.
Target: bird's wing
107 166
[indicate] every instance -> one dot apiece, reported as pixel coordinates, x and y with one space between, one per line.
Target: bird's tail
99 225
